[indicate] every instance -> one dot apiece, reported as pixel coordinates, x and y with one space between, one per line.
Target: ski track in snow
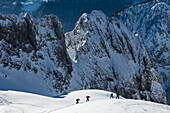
3 101
28 104
9 104
22 110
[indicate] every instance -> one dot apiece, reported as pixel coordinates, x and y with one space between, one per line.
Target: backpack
87 96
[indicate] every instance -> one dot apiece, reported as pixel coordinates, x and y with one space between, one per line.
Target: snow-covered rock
69 11
151 21
33 55
108 56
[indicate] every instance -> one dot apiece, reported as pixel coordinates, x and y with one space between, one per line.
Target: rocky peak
37 47
110 57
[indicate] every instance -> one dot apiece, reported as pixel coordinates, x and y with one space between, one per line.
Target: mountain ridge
105 55
109 57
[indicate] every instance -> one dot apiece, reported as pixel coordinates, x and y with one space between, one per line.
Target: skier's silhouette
87 98
117 93
77 101
111 95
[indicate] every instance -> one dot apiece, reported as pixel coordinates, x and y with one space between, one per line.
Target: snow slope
30 82
20 102
116 106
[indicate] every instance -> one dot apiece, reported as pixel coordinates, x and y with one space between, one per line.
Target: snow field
100 102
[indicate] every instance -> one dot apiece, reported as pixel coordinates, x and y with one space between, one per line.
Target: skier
87 98
117 93
111 95
77 101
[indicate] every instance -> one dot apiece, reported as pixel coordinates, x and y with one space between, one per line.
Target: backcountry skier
87 98
77 101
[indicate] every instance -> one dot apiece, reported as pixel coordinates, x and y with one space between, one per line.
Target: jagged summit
110 57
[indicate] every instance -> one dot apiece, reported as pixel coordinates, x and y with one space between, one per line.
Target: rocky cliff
151 21
34 47
108 56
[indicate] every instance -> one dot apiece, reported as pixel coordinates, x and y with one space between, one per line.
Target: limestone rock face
35 47
151 21
108 56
